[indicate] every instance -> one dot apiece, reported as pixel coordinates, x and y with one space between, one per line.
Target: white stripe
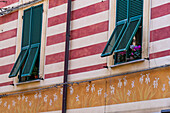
76 63
77 43
4 78
7 43
79 23
160 61
8 26
160 22
88 75
156 3
61 9
7 60
161 45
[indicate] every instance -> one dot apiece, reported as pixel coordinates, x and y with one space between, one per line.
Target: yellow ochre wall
146 85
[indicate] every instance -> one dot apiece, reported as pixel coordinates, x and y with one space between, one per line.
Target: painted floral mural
148 85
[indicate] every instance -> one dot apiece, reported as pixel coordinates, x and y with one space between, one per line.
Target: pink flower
132 54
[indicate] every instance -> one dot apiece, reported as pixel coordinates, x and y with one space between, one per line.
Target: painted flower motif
55 97
26 99
147 79
105 95
45 98
169 80
30 103
13 103
163 89
93 88
125 81
141 78
39 95
133 84
61 91
50 103
71 90
120 83
9 106
19 97
88 88
36 95
23 97
100 91
112 89
5 104
129 92
77 98
155 82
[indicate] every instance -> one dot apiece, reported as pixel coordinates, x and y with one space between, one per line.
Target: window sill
32 81
130 62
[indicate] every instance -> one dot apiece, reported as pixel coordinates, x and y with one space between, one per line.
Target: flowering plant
122 56
135 51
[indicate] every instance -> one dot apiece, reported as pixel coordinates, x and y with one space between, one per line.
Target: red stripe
86 11
78 70
78 33
8 34
160 34
9 17
76 53
54 3
6 83
160 11
9 2
7 51
6 69
160 54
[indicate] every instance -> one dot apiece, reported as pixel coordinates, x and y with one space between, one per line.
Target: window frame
43 37
119 68
29 45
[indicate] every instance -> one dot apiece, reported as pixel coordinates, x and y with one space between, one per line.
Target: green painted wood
20 60
26 28
136 8
112 43
121 10
30 62
36 25
128 35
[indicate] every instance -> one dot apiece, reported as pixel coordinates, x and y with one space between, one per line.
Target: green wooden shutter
30 62
121 10
128 35
21 58
36 27
136 8
111 44
36 24
26 28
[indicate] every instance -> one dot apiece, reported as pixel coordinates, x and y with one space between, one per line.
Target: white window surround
145 40
43 35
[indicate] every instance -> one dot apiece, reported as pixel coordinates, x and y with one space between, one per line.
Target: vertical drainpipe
64 103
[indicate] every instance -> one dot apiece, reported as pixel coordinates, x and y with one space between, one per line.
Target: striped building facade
92 22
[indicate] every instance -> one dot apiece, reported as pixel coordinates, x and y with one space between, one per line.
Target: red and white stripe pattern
8 34
89 33
160 33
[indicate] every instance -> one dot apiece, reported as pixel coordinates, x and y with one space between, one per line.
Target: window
165 111
28 61
126 39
